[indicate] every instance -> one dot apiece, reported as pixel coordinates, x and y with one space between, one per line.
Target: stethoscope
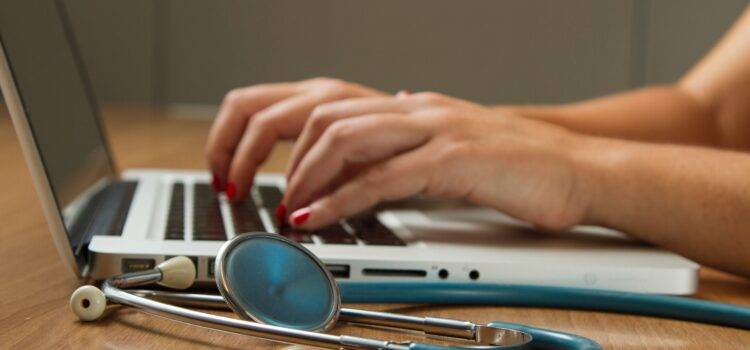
282 292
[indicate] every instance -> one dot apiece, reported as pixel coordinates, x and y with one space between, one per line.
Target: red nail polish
280 213
215 183
231 190
300 216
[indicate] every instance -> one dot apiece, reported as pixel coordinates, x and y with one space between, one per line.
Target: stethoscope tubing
665 306
210 321
673 307
542 338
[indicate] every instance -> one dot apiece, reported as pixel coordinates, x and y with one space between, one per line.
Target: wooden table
35 285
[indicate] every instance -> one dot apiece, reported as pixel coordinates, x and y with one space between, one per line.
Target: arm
709 106
691 200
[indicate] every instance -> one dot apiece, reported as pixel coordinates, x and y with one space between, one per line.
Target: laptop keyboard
209 225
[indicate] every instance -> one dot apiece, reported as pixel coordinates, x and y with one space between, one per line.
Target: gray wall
191 51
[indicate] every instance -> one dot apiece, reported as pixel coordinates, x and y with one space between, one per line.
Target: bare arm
691 200
709 106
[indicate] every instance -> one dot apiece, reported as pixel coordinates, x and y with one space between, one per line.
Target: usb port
133 264
339 271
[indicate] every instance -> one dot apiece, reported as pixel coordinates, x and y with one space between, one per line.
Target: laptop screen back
55 96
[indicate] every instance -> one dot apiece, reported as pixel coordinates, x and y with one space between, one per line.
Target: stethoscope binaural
284 293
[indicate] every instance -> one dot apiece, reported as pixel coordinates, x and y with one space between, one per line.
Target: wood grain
35 285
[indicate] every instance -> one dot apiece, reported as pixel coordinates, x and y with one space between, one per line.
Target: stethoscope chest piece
267 279
272 280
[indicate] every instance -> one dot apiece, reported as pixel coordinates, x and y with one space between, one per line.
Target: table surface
36 285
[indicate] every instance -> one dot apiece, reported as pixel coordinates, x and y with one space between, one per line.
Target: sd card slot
394 272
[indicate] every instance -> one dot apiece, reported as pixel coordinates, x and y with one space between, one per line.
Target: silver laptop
105 223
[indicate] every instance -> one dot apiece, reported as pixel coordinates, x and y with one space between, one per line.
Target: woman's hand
438 146
252 119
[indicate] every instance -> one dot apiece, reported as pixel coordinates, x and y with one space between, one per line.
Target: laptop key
246 218
176 220
335 234
370 230
208 224
296 235
271 197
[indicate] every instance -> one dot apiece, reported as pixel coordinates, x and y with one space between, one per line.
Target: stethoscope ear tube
665 306
547 339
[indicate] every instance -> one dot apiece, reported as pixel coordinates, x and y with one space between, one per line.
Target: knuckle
454 151
339 133
430 98
441 117
261 121
321 80
233 97
323 112
320 120
334 87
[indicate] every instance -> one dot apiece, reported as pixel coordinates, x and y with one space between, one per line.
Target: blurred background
190 52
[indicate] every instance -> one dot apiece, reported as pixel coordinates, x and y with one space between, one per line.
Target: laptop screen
61 112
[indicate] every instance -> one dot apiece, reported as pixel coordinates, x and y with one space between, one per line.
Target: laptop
105 223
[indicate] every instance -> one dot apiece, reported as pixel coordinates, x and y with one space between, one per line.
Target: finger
284 119
236 109
403 176
403 93
325 115
357 140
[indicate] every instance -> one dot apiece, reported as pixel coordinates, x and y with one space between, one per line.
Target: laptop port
394 273
339 271
136 264
211 267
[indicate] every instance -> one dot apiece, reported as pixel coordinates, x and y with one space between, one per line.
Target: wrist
553 114
600 168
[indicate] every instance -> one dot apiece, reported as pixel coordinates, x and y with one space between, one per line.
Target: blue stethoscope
282 292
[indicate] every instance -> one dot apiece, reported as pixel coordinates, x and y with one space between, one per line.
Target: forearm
694 201
708 106
656 114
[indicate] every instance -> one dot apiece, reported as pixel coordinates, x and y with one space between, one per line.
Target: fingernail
300 216
231 190
280 213
215 183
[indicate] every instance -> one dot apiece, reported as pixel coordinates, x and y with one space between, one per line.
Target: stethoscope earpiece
88 303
